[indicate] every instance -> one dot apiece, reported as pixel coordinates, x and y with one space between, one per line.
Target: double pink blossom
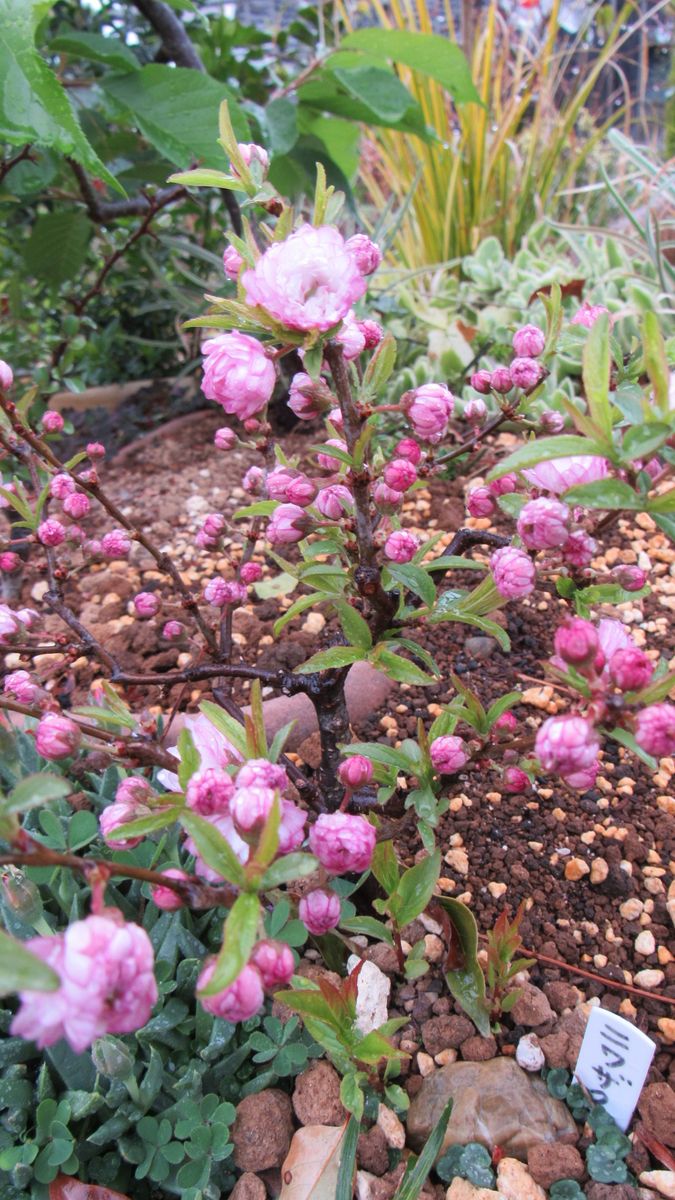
209 792
655 729
334 501
513 572
342 842
238 374
448 754
57 736
566 744
288 523
309 281
544 524
559 474
320 911
429 409
401 546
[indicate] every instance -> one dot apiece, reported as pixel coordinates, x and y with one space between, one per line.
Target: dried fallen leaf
575 287
64 1187
312 1163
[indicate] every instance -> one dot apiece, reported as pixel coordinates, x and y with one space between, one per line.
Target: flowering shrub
255 828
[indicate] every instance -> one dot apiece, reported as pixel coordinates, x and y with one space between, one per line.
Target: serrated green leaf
398 668
57 246
605 493
94 47
288 867
416 887
429 53
239 938
34 791
230 728
542 450
595 372
337 656
213 848
354 626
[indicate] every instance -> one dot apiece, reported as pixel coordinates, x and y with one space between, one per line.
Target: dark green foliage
470 1162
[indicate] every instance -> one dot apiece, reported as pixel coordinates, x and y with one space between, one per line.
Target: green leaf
624 738
605 493
544 449
643 440
22 971
414 579
385 866
400 669
230 728
239 938
34 791
288 867
656 361
467 982
380 366
664 503
205 177
351 1096
297 608
33 105
380 89
483 623
57 246
281 118
415 888
142 826
416 1172
354 626
380 754
176 109
213 848
596 365
94 47
370 926
188 757
337 656
428 53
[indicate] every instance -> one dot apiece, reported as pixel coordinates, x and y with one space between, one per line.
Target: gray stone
496 1103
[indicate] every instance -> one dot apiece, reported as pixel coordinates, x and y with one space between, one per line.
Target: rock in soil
316 1096
261 1134
532 1008
515 1182
496 1104
662 1182
610 1191
369 1187
372 1152
445 1033
657 1109
548 1164
249 1187
461 1189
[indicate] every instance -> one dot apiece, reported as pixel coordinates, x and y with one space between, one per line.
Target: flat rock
496 1104
548 1164
662 1182
461 1189
515 1182
261 1134
532 1008
657 1109
372 995
610 1191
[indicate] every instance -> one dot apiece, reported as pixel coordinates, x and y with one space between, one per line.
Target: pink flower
57 737
559 474
526 373
655 730
577 643
504 485
165 897
6 375
401 546
259 772
400 474
475 411
612 636
351 338
116 543
588 314
61 486
386 497
237 374
481 381
410 449
224 824
252 153
448 754
212 746
118 814
107 983
275 962
95 449
515 780
566 744
630 669
241 1000
209 792
173 630
372 332
250 572
20 685
307 397
367 255
224 438
232 262
507 723
51 532
250 807
500 380
326 460
133 790
342 842
580 549
308 281
429 409
480 502
529 341
319 911
214 524
584 779
513 572
630 578
10 562
77 505
10 626
52 422
355 771
336 418
291 486
291 827
551 421
146 604
543 524
288 523
221 592
334 501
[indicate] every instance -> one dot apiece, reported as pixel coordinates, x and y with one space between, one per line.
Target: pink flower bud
408 448
584 779
238 1002
52 422
655 730
114 816
204 541
165 897
543 524
336 418
252 153
566 744
116 543
401 546
506 724
89 476
501 381
10 626
513 572
27 616
232 262
259 772
95 449
250 807
220 592
20 685
61 486
57 737
366 254
580 549
355 771
588 314
342 842
133 790
326 461
515 780
481 381
146 604
307 397
275 962
288 523
504 485
290 486
400 474
334 501
75 534
480 502
238 374
551 421
448 754
372 332
291 827
577 643
6 375
250 572
351 338
385 497
77 505
209 792
630 670
51 532
526 373
173 630
10 562
631 578
475 411
93 548
319 911
529 341
429 409
224 438
214 524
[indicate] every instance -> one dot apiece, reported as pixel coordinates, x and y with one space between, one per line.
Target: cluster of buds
524 372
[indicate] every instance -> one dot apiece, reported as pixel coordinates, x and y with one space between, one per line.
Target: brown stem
505 415
104 212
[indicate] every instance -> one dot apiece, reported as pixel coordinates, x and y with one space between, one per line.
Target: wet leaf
310 1170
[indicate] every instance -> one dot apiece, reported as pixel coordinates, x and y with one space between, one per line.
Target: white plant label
613 1063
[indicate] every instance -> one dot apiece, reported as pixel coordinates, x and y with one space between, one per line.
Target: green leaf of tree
605 493
20 970
596 364
337 656
380 89
428 53
94 47
34 791
239 938
57 246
